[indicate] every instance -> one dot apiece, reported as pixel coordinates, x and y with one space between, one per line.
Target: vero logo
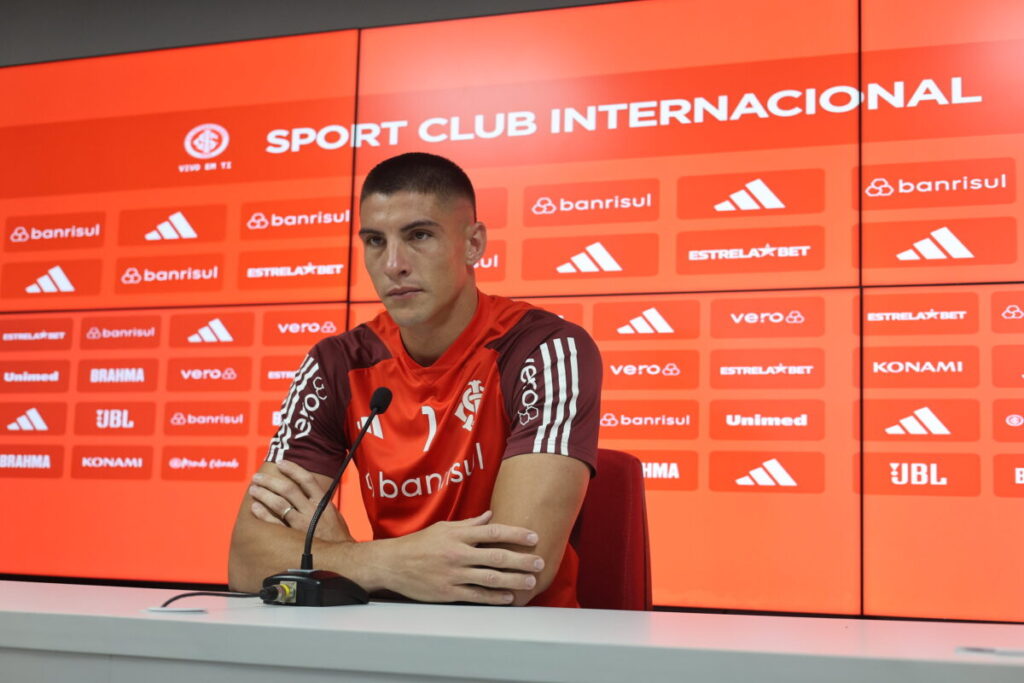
651 370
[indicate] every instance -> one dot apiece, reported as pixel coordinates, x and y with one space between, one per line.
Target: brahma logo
468 406
31 461
110 375
669 470
206 141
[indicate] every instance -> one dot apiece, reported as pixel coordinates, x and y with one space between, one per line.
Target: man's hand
442 563
290 497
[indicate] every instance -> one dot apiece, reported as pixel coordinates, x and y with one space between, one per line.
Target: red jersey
517 380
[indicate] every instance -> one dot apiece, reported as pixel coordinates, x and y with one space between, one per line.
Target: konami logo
102 462
121 332
31 461
228 418
1008 366
674 419
938 474
175 224
592 202
62 231
302 327
32 334
658 319
651 370
921 366
768 368
764 472
320 217
929 313
115 418
197 273
32 376
139 374
766 420
203 463
669 470
937 183
213 328
768 317
209 374
758 250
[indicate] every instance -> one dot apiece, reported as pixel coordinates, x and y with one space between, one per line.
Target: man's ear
476 242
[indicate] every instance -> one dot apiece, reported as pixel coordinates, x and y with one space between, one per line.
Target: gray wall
46 30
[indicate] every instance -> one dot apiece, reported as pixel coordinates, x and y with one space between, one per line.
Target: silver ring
285 513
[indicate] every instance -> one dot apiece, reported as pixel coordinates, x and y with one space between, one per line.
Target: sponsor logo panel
669 470
115 418
1008 312
31 419
640 320
569 258
55 232
923 419
492 206
651 370
768 420
35 334
277 372
175 224
206 418
287 218
137 374
104 462
301 328
757 250
195 273
1008 471
291 269
612 201
269 418
649 420
121 332
31 461
922 474
944 243
51 279
213 330
936 183
919 314
765 472
571 312
913 367
491 267
203 463
31 376
768 368
772 317
1008 420
741 194
1008 366
209 374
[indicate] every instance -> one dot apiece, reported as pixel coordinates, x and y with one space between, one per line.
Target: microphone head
380 400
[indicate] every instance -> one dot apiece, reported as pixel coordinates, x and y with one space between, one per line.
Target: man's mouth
403 292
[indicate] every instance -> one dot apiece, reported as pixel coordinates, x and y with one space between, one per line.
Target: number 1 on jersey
431 425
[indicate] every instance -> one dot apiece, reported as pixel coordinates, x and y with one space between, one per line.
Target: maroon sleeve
310 434
553 395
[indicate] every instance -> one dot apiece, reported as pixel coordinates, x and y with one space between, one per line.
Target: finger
500 558
311 488
499 533
282 486
482 518
480 595
494 579
260 511
273 503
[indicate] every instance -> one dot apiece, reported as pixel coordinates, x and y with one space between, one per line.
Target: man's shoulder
360 347
534 328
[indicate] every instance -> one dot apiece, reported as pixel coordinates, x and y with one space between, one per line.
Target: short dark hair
419 172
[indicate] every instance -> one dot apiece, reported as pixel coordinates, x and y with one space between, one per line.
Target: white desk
86 634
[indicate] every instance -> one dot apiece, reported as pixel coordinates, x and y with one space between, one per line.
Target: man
473 478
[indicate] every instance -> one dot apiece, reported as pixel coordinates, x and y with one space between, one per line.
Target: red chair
611 539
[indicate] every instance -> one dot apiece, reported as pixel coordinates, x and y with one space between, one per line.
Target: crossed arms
505 556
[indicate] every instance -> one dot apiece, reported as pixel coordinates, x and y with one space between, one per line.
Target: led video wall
792 229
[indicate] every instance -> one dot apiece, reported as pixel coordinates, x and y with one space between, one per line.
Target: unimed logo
31 461
924 314
672 419
34 376
792 420
52 232
103 462
591 202
228 418
768 368
651 370
936 183
758 250
920 366
35 334
209 374
768 317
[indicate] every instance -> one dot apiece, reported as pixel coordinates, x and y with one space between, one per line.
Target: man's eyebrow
422 223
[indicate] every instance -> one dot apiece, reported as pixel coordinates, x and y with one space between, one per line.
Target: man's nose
396 262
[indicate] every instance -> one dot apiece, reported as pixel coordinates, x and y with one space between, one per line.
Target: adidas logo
922 421
31 421
929 247
174 228
648 322
54 281
770 473
593 259
374 426
212 332
754 197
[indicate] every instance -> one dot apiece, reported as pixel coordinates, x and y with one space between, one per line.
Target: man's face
419 251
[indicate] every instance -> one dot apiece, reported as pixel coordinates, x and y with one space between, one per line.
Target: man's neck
428 342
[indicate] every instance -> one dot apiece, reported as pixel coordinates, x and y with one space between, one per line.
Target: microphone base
312 588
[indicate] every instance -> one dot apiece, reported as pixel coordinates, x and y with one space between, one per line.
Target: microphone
319 587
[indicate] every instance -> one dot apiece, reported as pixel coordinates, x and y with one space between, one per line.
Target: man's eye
421 235
373 241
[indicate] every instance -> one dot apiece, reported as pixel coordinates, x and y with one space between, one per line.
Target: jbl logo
114 419
916 474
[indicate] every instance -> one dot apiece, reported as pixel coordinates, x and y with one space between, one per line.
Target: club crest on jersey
470 403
